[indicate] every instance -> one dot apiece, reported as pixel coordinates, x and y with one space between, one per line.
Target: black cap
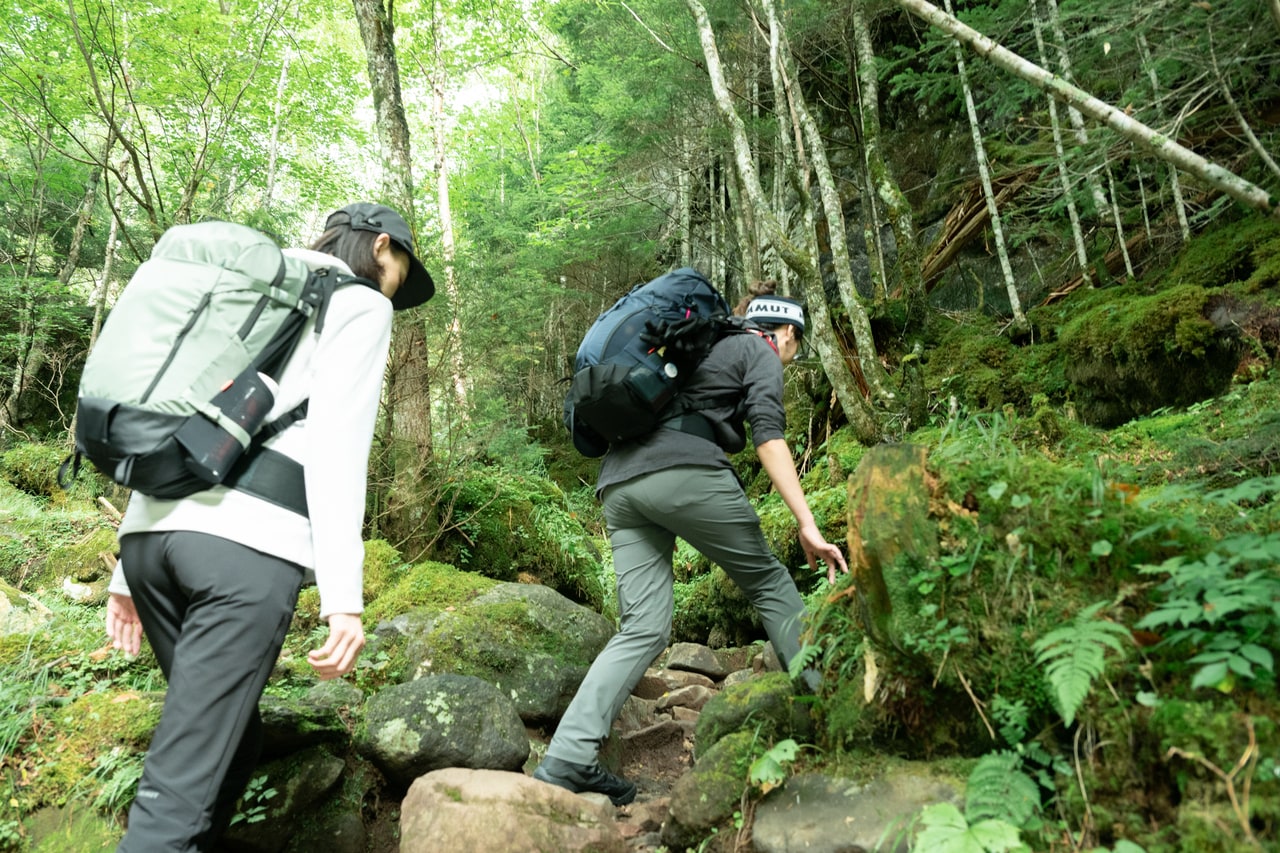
380 219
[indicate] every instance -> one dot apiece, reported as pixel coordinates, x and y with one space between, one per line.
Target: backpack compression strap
689 419
265 473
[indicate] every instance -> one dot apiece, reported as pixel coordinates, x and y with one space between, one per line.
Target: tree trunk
407 425
377 31
1119 222
901 220
861 416
1175 185
273 154
1060 156
1166 149
448 246
984 175
872 372
1245 128
33 327
100 293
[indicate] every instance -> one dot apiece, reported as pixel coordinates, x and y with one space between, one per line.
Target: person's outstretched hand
338 655
816 548
124 629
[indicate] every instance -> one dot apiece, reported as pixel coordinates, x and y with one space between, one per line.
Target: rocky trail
653 738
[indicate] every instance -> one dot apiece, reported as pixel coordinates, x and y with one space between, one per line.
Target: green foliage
998 790
1075 654
500 524
1226 607
115 778
770 770
946 830
253 803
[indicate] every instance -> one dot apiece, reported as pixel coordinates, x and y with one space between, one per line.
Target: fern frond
1075 654
998 790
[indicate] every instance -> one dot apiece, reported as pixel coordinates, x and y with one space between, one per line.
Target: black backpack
636 356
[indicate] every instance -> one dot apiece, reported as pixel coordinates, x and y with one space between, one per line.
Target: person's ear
380 244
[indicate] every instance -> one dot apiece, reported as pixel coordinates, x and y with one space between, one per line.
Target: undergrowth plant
1074 655
1225 606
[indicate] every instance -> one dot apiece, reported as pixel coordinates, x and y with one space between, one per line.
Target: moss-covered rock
1129 357
765 706
704 799
531 642
429 585
90 737
504 525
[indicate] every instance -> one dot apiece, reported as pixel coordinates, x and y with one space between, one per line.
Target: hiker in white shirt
213 579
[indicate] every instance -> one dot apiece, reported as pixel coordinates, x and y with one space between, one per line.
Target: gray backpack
176 389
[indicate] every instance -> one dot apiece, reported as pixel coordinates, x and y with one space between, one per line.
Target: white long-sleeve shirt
340 371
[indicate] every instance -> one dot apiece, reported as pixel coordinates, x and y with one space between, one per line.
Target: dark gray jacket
739 382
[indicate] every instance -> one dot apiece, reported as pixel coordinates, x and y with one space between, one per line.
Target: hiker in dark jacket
213 579
678 481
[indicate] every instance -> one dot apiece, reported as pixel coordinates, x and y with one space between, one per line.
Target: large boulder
821 814
441 721
458 809
529 641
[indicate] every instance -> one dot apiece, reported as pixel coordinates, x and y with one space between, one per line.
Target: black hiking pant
215 613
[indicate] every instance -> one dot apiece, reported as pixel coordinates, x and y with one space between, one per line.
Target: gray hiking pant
707 508
215 613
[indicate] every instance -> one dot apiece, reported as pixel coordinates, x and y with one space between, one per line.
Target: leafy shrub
1226 606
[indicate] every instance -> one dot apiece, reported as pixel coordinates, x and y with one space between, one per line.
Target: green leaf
995 835
1262 657
998 790
997 489
768 771
947 831
1020 500
1101 548
1075 654
1210 676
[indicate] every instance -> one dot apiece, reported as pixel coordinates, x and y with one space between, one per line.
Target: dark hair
353 246
765 287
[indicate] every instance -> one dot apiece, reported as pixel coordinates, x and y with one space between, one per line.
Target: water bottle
211 449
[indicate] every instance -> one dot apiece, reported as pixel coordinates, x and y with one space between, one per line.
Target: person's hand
815 548
124 629
338 655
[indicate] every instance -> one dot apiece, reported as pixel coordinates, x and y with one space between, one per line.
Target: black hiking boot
584 778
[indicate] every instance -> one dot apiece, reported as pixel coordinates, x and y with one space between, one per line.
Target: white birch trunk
859 323
1249 135
104 284
1060 157
984 175
1170 151
910 264
1119 222
1073 114
448 244
685 205
861 416
1175 184
273 151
